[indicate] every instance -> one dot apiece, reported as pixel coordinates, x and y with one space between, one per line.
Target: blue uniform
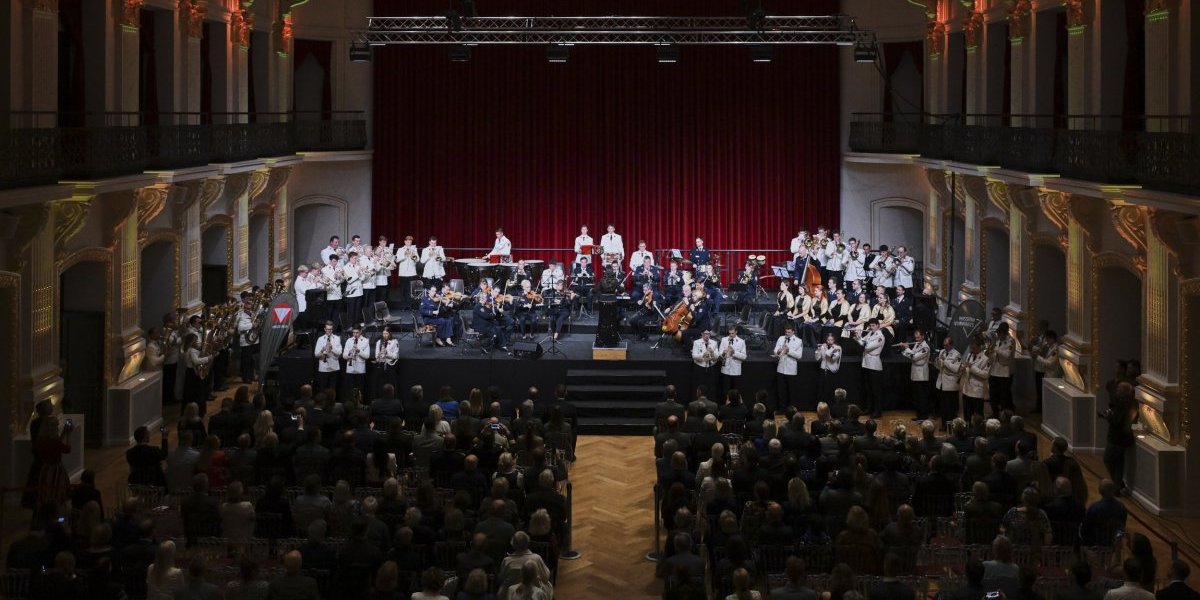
699 257
437 315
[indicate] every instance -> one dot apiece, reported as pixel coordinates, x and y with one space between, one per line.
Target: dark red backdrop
741 154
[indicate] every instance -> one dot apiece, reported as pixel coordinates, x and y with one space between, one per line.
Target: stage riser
617 408
615 376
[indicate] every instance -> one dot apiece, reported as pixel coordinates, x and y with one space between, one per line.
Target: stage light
460 53
864 53
667 53
761 53
360 51
558 53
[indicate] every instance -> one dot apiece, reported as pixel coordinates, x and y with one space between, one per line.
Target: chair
471 338
384 316
416 289
773 559
421 330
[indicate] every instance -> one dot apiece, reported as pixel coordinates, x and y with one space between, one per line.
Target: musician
435 311
583 239
788 352
552 276
797 243
885 269
353 275
645 274
155 350
356 351
673 283
800 265
814 305
886 315
860 313
558 308
368 267
1000 375
902 305
582 279
837 316
818 253
356 245
327 350
733 353
918 353
334 277
247 339
784 307
949 366
331 250
503 305
701 311
526 303
640 255
647 311
432 257
519 275
855 264
406 258
705 355
994 324
748 288
975 370
699 256
611 243
829 354
484 319
171 366
386 355
835 258
712 291
301 286
1045 353
195 387
872 364
502 248
905 265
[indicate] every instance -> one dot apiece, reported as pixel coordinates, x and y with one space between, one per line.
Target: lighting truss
454 29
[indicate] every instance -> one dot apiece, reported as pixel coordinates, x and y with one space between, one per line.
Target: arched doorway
1050 286
159 287
994 265
1119 295
83 345
314 220
215 269
260 249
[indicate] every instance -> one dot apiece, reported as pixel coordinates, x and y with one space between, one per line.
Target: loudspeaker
527 350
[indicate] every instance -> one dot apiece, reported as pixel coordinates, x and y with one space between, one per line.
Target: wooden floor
614 516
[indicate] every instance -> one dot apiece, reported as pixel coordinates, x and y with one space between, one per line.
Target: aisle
614 526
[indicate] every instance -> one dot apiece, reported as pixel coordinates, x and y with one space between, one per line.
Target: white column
973 208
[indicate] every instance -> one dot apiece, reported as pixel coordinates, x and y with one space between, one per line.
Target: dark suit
1177 590
293 587
200 515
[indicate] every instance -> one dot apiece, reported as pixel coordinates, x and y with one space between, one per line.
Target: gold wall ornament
935 38
1130 222
69 217
1190 292
258 182
1018 15
194 12
241 22
150 203
50 6
210 191
1075 17
131 13
283 35
31 219
1055 205
998 193
10 296
973 29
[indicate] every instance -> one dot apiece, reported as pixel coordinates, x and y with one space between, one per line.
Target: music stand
780 272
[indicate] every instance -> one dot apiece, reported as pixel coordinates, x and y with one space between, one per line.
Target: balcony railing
1157 152
39 148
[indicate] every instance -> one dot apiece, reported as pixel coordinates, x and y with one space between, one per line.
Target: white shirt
382 271
368 282
854 267
245 323
904 272
830 356
1046 362
334 290
635 260
193 359
327 362
918 353
433 268
172 350
700 347
974 375
581 241
388 353
788 353
949 364
1002 357
872 343
354 282
796 245
301 286
612 244
356 352
551 276
834 260
503 247
406 260
327 252
882 276
733 362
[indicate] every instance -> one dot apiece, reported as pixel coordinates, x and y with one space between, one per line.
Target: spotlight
460 53
667 53
864 53
360 51
761 53
558 53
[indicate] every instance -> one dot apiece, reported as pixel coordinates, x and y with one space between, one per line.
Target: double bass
678 319
809 278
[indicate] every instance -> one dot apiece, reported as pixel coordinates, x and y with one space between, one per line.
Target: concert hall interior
476 299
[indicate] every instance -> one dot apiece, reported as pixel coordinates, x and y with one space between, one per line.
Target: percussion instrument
495 259
587 249
535 269
468 271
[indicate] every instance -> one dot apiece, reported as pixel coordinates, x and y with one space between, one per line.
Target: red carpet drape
715 146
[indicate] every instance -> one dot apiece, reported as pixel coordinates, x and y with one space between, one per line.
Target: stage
613 397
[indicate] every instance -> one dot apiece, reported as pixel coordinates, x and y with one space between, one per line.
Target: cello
678 319
809 278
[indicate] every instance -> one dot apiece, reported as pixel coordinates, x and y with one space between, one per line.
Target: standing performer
502 248
356 352
835 258
639 256
949 366
367 266
733 354
699 256
387 353
830 355
171 344
331 250
195 387
581 240
885 269
705 355
975 369
797 243
613 246
334 278
855 264
902 307
353 274
247 340
994 324
872 365
788 352
747 281
385 263
406 259
432 258
918 353
327 351
301 286
582 280
1045 353
356 245
905 265
1000 375
558 308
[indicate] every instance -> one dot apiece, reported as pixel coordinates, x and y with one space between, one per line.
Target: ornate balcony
41 148
1159 152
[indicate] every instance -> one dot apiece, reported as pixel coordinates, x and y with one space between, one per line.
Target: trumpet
810 242
841 247
443 259
854 255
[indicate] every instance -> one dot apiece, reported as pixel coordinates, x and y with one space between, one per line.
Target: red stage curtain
715 146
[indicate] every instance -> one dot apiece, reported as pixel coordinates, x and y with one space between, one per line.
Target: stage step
606 408
616 392
616 425
616 377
